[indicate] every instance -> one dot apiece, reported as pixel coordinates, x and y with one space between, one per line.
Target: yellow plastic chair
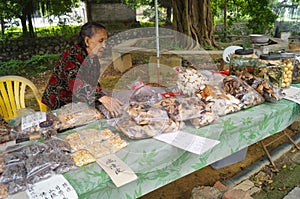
12 95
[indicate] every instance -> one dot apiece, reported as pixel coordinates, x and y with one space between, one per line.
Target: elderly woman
76 73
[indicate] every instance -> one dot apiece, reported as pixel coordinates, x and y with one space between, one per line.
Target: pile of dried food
29 163
6 131
89 144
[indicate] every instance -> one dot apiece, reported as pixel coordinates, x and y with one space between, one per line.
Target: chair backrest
12 95
228 51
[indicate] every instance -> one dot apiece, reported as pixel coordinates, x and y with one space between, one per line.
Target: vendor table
157 163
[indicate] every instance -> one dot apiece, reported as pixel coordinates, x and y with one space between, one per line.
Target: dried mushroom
270 92
241 90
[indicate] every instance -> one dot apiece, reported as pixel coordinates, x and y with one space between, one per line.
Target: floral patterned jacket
74 79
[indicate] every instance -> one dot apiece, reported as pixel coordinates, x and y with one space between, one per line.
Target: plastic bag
144 114
82 157
143 93
37 163
265 88
114 144
218 101
14 157
16 186
131 129
34 148
44 129
38 173
242 91
61 162
3 191
7 132
172 125
182 108
206 118
98 150
92 136
76 114
2 164
75 142
55 144
189 80
13 172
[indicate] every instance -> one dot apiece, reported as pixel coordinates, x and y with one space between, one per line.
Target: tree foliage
258 14
24 10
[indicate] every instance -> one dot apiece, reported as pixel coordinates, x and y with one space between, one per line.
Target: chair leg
292 141
268 154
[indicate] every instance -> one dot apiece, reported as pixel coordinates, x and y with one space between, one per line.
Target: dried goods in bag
34 148
75 142
3 191
56 144
82 157
7 132
265 88
143 113
77 114
189 80
242 91
14 172
39 173
143 93
16 186
131 129
217 100
62 162
182 108
206 118
44 129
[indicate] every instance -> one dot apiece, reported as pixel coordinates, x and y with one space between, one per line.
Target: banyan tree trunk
194 19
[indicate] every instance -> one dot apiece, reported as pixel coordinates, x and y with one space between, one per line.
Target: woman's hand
111 104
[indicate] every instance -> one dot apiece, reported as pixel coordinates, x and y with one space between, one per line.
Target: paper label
33 119
56 187
186 141
119 172
292 93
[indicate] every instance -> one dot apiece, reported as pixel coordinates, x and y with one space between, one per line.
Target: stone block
220 186
236 194
245 185
206 192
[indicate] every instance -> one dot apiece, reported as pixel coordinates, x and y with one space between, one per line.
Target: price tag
56 187
292 93
33 119
119 172
187 141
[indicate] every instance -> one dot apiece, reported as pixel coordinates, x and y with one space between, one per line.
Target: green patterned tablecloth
157 164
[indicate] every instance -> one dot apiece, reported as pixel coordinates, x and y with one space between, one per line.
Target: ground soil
181 188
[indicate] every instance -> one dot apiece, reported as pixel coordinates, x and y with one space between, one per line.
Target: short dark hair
88 30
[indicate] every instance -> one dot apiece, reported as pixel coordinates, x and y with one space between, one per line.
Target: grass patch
35 65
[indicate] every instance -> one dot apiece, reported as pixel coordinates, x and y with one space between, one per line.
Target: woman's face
97 43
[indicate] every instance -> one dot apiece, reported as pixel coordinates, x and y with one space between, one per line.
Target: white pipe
157 32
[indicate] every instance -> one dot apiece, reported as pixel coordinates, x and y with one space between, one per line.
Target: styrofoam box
231 159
